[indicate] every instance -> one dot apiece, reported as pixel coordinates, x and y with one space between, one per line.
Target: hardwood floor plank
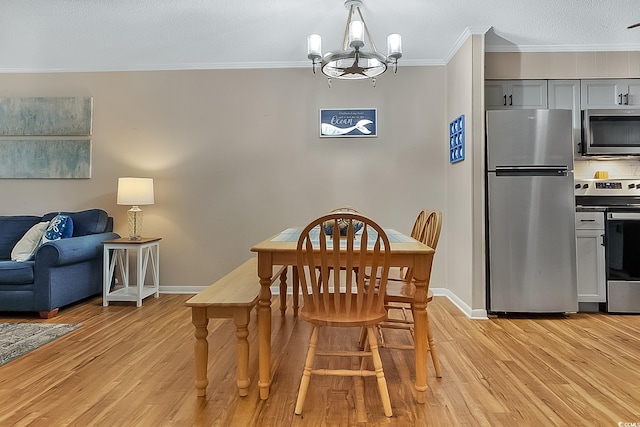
129 366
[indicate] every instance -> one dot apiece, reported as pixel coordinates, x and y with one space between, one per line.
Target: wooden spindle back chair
336 296
401 290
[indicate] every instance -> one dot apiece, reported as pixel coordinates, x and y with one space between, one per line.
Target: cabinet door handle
620 99
626 99
504 100
510 99
603 242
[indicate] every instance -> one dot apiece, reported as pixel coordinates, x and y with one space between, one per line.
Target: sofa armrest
71 250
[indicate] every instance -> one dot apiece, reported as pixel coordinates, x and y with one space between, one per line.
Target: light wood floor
131 366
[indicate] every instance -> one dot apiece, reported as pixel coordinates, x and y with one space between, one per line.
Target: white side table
116 252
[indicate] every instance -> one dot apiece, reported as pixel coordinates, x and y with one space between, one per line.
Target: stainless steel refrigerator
531 212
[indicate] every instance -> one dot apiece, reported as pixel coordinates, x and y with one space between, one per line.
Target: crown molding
560 48
468 32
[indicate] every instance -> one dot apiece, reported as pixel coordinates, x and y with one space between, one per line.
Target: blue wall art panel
456 140
60 116
340 123
45 158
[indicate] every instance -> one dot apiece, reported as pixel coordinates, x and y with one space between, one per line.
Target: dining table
280 249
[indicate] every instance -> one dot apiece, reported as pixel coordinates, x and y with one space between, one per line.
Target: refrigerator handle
532 171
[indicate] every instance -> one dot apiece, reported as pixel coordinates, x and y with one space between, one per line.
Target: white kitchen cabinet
590 257
515 94
610 93
565 95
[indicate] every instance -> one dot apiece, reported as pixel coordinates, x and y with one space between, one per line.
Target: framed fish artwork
344 123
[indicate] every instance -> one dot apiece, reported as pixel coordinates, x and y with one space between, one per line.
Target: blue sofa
61 272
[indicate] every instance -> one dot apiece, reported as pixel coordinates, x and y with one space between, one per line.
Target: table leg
155 263
422 272
107 276
241 318
141 270
283 293
265 269
295 280
201 348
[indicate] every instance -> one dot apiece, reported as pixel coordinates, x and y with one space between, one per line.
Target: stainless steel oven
620 199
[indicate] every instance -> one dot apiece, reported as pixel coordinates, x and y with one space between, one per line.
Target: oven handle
624 215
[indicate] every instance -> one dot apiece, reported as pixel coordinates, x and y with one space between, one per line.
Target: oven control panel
608 187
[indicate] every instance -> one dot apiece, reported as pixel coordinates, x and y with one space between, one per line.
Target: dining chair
417 232
295 286
401 289
346 209
328 227
342 298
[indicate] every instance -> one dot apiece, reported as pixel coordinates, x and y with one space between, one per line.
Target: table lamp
135 192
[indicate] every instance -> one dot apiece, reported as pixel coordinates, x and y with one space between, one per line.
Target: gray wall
236 157
465 256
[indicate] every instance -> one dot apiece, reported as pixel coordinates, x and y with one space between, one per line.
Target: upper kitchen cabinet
565 95
515 94
610 93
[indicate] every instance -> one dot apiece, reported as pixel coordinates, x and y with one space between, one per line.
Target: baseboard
187 290
477 314
182 289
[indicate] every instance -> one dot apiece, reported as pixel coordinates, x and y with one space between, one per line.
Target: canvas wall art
51 116
348 122
38 158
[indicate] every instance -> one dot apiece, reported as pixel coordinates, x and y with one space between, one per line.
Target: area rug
17 339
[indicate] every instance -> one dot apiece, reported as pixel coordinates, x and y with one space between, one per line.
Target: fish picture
348 123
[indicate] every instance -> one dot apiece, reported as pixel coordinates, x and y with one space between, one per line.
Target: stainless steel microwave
611 132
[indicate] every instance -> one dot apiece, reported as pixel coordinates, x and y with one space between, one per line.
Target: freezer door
532 244
529 138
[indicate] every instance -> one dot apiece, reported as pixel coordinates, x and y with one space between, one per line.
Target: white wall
236 157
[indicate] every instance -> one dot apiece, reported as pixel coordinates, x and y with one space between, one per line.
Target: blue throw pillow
60 227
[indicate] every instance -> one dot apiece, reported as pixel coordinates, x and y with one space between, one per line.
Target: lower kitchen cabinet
591 257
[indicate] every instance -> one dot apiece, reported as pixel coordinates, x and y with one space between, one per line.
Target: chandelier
353 62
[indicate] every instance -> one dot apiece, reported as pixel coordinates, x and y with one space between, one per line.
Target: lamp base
134 219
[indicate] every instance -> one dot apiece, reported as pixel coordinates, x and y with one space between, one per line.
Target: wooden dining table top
286 242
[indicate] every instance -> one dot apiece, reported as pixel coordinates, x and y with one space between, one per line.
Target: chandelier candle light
135 192
353 62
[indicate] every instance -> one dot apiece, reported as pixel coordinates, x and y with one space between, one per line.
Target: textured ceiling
105 35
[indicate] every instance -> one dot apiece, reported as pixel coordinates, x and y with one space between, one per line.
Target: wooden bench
233 296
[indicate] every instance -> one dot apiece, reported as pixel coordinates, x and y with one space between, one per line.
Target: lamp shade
314 46
394 46
356 34
135 191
